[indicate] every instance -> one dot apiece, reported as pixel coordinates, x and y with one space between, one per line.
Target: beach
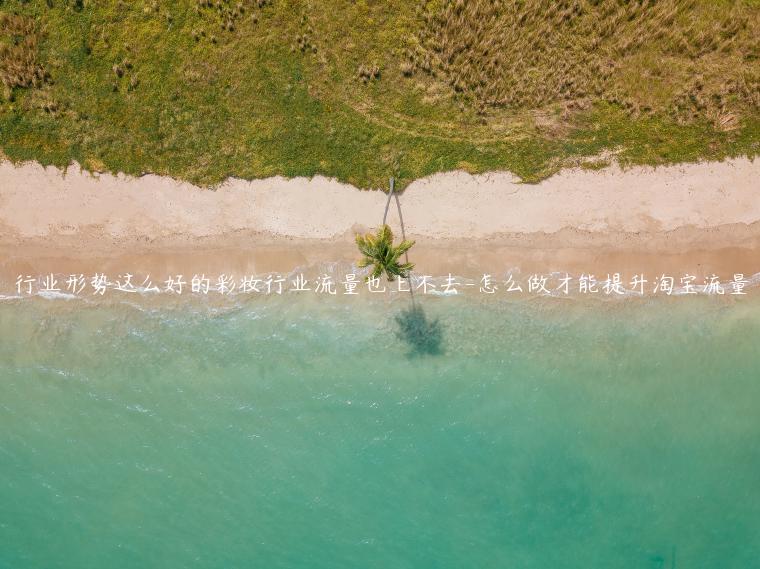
323 431
701 218
214 354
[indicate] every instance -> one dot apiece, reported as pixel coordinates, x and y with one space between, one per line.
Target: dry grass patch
690 58
19 64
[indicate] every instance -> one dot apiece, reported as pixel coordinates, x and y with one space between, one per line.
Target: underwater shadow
423 336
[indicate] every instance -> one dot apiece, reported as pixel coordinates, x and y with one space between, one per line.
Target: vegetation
362 89
19 65
688 58
382 255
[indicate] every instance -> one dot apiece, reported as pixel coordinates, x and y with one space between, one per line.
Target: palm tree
422 335
380 253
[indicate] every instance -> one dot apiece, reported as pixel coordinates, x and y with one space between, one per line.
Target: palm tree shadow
423 336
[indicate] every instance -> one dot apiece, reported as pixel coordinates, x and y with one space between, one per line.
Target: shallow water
536 434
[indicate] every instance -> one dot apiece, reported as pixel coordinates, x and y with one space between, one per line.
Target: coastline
693 217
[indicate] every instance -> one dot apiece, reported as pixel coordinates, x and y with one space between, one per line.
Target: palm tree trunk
391 194
406 253
388 202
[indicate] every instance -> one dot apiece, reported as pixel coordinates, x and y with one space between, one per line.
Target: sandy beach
694 217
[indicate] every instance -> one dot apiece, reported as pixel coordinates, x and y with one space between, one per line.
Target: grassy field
362 89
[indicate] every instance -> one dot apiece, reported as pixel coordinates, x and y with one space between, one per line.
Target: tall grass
19 63
360 89
693 59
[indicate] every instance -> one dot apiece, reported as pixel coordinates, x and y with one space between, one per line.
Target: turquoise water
537 434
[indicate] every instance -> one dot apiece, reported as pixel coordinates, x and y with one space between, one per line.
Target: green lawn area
206 90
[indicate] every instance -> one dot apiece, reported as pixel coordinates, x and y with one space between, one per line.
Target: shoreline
698 218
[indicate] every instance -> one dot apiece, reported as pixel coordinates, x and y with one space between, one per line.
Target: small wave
56 295
10 297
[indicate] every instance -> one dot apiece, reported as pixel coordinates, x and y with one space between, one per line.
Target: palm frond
404 246
405 269
379 252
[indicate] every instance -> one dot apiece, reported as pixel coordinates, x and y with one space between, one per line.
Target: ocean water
333 434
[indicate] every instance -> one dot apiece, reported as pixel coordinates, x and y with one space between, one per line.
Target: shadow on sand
423 336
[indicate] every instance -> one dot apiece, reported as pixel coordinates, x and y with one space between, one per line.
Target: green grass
250 105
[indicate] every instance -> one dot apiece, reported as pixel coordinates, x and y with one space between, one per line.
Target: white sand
37 202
